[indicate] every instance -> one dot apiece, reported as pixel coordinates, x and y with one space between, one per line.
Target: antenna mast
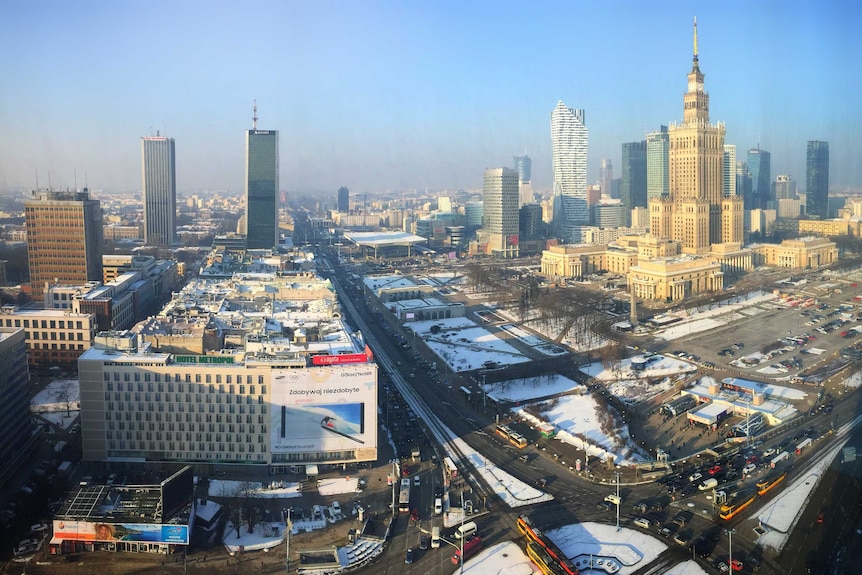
254 116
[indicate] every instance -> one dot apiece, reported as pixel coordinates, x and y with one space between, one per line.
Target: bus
404 496
533 535
730 509
449 467
770 481
471 547
503 431
518 440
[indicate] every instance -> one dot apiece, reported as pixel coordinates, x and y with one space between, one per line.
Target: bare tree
233 506
65 396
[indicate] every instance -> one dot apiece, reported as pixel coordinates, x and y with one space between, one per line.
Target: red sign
339 359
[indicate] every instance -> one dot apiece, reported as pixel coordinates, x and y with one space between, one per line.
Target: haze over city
399 95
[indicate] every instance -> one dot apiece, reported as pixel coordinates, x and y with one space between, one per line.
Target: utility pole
617 473
730 533
288 527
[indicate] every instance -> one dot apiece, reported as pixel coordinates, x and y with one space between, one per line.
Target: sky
393 95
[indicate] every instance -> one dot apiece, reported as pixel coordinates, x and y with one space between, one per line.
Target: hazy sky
391 95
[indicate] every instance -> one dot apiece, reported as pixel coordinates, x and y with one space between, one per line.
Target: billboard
339 359
324 409
105 532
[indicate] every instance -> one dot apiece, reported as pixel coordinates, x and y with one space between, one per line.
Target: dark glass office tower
160 190
261 188
343 200
760 168
634 181
817 180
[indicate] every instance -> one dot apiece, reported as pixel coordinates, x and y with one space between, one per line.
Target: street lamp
288 527
462 532
617 473
730 533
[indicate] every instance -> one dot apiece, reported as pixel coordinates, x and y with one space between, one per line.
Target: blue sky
394 95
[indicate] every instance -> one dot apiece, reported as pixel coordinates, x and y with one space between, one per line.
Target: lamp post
462 533
730 533
288 527
617 474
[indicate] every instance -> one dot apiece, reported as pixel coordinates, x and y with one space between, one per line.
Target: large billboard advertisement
143 532
324 409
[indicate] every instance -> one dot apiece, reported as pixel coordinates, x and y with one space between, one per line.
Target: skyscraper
64 239
606 176
159 178
784 188
261 187
569 140
817 179
696 212
500 217
759 166
16 422
657 164
524 167
633 191
729 170
343 202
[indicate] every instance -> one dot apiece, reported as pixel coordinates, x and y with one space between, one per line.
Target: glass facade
261 188
633 190
817 180
160 190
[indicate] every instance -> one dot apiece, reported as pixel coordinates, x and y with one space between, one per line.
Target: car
770 452
423 542
416 480
668 531
695 477
640 507
722 567
603 506
542 482
749 469
738 345
821 517
414 515
410 556
525 458
438 491
715 469
736 564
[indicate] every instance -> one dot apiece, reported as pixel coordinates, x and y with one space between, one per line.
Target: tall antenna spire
695 38
254 116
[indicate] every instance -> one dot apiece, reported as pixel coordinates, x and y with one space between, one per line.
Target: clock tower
696 101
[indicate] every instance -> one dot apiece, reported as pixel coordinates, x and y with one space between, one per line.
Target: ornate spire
695 38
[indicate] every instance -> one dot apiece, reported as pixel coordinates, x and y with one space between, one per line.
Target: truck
471 547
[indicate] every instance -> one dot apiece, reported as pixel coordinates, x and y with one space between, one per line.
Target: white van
435 538
438 506
708 484
466 530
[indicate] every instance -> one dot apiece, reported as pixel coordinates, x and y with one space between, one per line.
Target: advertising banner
339 359
104 532
324 409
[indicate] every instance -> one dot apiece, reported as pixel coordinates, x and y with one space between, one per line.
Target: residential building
817 180
569 141
633 191
729 170
159 175
64 238
500 214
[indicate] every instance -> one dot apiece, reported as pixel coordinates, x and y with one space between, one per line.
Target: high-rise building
817 180
729 170
633 191
759 166
16 427
64 239
743 184
606 176
524 167
343 204
530 225
159 177
696 212
657 144
261 187
569 140
500 216
784 188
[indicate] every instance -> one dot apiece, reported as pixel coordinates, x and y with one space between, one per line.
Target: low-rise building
54 337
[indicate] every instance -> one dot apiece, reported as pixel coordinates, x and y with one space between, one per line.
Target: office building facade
569 141
343 200
500 213
729 170
633 190
159 184
817 180
261 188
16 427
657 164
64 239
606 176
760 168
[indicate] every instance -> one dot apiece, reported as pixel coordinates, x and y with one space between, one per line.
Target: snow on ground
264 536
716 315
585 542
661 367
468 348
424 327
506 558
276 489
689 567
59 403
638 390
552 328
525 336
515 390
338 485
577 422
513 492
769 390
686 328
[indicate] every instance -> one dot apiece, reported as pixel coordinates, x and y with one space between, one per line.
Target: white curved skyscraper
569 138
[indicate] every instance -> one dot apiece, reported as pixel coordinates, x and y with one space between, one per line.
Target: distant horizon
407 97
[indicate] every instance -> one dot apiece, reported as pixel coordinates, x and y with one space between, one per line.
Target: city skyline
391 98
